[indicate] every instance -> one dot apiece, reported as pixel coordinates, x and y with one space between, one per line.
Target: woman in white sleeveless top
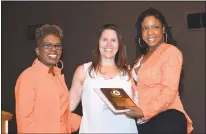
108 69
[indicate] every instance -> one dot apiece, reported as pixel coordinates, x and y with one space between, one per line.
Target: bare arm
76 87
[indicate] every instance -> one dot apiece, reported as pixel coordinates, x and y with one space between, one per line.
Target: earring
140 42
62 66
165 38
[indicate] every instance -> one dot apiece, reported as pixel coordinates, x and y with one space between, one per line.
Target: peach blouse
158 81
42 102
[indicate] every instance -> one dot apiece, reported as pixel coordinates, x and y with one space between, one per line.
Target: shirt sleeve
170 75
25 101
75 121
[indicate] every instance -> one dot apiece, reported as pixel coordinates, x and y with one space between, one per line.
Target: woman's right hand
135 112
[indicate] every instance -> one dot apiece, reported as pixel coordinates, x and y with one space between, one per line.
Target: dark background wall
80 22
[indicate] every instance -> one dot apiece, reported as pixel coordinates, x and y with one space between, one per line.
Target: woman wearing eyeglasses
42 97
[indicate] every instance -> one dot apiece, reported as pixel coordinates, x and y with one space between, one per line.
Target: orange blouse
158 81
42 102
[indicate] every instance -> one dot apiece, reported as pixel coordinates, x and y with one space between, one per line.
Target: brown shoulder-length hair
121 59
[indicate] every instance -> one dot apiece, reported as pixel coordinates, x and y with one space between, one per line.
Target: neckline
109 78
151 56
45 69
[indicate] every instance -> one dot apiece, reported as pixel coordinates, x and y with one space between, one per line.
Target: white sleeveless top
97 117
134 75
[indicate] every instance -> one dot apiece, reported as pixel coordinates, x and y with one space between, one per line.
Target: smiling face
108 44
49 56
152 31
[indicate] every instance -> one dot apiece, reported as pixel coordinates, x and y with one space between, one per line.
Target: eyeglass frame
53 46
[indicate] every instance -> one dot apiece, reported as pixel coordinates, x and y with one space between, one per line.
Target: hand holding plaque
116 98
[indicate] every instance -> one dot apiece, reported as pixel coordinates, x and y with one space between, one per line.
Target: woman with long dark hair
156 77
108 69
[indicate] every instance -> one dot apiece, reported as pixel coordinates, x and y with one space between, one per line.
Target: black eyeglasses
50 46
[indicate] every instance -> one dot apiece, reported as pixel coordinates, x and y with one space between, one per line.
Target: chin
152 44
109 57
52 63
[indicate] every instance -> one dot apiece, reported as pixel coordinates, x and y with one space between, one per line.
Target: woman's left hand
135 112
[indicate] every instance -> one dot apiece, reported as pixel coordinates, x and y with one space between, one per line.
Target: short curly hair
48 29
